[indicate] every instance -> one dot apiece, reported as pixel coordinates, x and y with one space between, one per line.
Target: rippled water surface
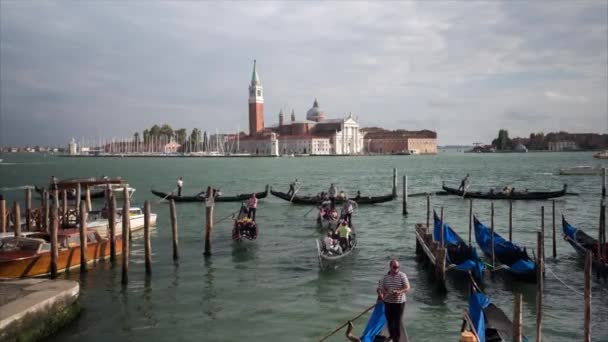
273 288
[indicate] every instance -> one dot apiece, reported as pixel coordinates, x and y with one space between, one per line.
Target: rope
346 323
563 283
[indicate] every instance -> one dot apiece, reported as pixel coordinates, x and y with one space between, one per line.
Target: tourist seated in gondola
331 245
344 231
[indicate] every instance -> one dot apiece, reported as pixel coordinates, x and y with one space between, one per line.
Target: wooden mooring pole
510 220
588 263
517 318
492 234
17 218
83 238
209 202
405 195
125 194
78 195
601 237
542 229
3 221
442 231
470 219
112 225
87 197
148 245
45 210
64 208
28 209
53 230
539 284
428 211
553 222
125 239
394 182
174 229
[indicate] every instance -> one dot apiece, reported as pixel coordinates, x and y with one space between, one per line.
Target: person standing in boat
292 187
180 184
392 288
344 233
347 210
464 183
252 204
332 193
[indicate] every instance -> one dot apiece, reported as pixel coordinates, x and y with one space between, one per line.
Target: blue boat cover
475 265
477 302
375 323
569 230
504 250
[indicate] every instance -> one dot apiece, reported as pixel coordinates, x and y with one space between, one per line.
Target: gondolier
347 210
464 183
392 288
332 193
252 205
180 184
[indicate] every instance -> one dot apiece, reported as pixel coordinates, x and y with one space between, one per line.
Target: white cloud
555 96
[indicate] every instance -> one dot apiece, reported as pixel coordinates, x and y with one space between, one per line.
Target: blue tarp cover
502 249
375 323
477 302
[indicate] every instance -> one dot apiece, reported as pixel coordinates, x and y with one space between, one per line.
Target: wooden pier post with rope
126 237
587 328
518 329
3 220
209 203
28 209
405 195
83 238
540 270
174 229
54 226
510 220
148 245
17 218
112 225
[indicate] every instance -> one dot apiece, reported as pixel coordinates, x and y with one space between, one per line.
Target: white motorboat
599 155
117 190
581 170
98 220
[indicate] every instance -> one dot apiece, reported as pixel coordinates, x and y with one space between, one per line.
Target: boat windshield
19 244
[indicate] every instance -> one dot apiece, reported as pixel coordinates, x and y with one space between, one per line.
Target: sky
463 69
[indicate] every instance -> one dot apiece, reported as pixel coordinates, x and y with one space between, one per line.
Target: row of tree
540 140
197 140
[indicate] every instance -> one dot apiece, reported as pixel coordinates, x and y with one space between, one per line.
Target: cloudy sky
465 69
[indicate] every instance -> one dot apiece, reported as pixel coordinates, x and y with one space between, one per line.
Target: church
314 135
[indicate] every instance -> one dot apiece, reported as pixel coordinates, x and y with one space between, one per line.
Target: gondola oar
169 194
294 194
308 212
346 323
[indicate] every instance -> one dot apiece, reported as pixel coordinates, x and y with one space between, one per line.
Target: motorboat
98 220
581 170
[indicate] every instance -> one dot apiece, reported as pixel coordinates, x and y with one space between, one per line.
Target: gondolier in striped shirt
392 288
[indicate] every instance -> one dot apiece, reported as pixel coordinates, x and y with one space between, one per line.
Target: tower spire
255 78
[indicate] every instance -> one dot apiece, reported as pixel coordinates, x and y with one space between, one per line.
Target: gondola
327 218
326 257
244 227
72 194
583 243
201 196
376 329
489 322
459 255
312 200
516 195
507 255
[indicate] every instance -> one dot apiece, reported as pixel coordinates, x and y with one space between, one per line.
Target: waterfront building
381 141
73 147
562 146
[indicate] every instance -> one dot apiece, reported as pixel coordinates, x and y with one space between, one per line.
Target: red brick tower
256 104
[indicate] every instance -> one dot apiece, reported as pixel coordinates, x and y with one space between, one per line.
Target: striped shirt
393 282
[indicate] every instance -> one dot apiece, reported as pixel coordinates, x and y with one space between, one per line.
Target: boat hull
502 196
201 197
311 200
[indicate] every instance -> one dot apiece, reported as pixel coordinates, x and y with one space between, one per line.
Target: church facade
315 135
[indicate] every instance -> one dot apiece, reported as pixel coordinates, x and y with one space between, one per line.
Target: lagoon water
272 288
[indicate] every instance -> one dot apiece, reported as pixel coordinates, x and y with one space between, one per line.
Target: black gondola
516 195
72 194
310 200
244 227
584 243
201 196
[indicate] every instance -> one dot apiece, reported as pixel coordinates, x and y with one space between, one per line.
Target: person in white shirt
180 184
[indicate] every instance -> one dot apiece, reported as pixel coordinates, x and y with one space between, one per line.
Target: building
381 141
562 146
315 135
171 147
73 147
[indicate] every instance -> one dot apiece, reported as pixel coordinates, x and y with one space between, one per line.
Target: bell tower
256 103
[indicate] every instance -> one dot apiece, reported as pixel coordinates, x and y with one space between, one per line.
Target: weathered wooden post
405 195
539 285
542 229
3 220
126 222
148 245
78 195
87 197
442 241
470 219
517 319
125 193
604 182
64 208
45 210
394 182
17 214
174 229
83 238
588 263
440 255
510 220
601 236
28 209
492 234
209 202
428 211
53 230
553 221
112 225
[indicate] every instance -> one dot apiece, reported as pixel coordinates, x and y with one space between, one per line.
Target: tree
502 142
205 142
166 131
155 131
146 136
181 135
195 139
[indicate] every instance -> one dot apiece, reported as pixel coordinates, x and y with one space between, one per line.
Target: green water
272 288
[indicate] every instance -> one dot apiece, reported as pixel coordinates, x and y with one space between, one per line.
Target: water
273 288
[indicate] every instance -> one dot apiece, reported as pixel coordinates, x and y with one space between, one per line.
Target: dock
31 309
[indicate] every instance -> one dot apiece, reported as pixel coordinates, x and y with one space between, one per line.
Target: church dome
315 113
